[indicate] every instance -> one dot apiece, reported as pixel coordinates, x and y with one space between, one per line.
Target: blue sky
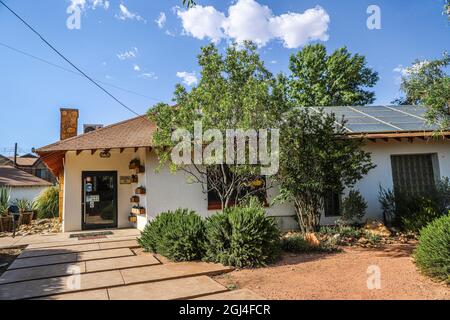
152 55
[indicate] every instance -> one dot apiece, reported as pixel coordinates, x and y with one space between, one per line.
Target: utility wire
69 62
74 72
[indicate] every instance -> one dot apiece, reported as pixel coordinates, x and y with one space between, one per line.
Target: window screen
332 204
413 174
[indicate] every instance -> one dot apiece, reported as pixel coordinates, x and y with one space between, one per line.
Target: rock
377 228
312 239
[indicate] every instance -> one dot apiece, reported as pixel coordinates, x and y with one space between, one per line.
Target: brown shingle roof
24 162
13 177
136 132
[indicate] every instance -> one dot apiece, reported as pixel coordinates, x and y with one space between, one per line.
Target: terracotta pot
26 217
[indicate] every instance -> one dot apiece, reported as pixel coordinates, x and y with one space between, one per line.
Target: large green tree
319 79
317 159
235 91
427 83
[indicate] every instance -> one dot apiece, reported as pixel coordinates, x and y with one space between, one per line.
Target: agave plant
47 203
24 205
5 194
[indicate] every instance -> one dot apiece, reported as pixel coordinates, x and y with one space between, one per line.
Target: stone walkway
107 268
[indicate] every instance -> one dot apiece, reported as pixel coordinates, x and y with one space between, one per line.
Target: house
98 188
31 164
22 184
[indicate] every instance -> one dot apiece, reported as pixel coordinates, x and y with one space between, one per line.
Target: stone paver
241 294
41 272
118 244
29 253
54 286
121 263
41 261
69 257
84 295
104 254
183 288
171 271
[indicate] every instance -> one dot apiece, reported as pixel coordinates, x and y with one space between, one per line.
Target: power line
74 72
69 62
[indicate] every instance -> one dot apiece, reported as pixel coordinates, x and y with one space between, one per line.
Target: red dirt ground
340 276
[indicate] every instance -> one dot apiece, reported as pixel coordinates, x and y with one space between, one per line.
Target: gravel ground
7 256
340 276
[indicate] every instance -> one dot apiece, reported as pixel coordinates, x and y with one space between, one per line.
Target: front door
99 199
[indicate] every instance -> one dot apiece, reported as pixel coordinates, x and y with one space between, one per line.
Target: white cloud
189 78
249 20
126 14
136 68
401 70
161 21
89 4
148 75
203 22
130 54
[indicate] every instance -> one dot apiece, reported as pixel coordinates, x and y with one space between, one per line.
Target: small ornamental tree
235 91
316 159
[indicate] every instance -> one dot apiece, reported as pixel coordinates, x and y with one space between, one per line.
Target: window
40 173
257 188
414 174
332 204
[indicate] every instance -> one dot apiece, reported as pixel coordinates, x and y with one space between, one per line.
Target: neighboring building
31 164
22 184
93 168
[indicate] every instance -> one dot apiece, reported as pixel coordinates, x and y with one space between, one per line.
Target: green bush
177 235
47 203
298 244
242 237
432 255
4 200
353 207
413 212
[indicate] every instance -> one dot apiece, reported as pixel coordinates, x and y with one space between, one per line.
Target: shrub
242 237
298 244
413 212
177 235
353 207
432 255
47 203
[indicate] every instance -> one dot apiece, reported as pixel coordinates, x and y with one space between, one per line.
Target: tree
316 160
189 3
235 91
447 8
427 83
318 79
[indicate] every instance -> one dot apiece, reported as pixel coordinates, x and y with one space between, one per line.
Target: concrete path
108 269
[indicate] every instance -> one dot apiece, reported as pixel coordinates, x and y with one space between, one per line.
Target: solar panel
372 119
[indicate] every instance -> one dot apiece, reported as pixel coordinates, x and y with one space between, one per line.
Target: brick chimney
69 123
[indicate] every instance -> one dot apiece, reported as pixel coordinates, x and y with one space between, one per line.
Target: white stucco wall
168 191
73 168
29 193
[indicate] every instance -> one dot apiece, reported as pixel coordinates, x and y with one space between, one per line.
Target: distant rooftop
13 177
379 119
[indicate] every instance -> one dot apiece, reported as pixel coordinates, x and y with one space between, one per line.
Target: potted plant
140 190
135 163
25 209
135 199
134 179
6 222
138 210
132 218
140 169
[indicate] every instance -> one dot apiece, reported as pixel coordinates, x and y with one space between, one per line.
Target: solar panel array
373 119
